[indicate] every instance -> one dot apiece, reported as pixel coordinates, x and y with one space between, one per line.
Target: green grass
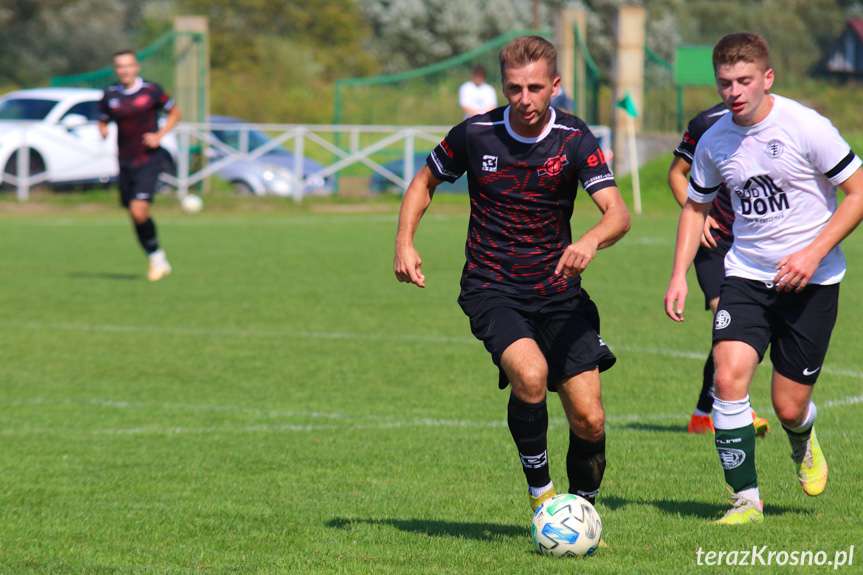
281 404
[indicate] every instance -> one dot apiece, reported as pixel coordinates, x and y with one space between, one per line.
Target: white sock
537 491
808 421
731 414
752 494
157 255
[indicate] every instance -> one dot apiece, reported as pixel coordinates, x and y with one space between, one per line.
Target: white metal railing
379 138
347 145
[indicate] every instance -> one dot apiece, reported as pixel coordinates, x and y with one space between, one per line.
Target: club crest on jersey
114 103
489 163
553 166
774 148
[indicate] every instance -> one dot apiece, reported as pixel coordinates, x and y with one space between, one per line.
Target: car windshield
25 109
256 140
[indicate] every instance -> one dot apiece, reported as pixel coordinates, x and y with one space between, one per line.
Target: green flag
628 106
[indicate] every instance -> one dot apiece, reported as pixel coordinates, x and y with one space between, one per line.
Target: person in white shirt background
476 96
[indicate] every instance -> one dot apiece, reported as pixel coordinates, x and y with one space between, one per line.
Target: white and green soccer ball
566 526
192 204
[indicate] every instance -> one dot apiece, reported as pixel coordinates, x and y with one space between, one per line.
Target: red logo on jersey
553 166
141 101
594 160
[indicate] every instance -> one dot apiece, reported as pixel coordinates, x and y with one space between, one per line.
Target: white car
60 128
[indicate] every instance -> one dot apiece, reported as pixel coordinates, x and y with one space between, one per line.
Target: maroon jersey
521 193
136 112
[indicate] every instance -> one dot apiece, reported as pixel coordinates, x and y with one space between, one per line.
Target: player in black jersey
134 105
521 283
709 261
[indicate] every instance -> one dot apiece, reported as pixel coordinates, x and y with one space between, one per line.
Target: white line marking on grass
234 333
339 421
842 402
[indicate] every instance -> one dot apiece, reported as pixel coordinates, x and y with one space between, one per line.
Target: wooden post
570 61
627 78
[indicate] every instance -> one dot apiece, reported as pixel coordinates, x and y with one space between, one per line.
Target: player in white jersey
782 163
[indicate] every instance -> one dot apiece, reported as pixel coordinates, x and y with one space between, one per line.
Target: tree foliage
332 31
42 38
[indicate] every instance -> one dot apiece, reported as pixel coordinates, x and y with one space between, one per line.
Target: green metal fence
586 79
661 95
424 96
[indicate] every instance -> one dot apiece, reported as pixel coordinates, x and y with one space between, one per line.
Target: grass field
281 404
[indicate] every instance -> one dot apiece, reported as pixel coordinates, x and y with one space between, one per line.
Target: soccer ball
191 203
566 526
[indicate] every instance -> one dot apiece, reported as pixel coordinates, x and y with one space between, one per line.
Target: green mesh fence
426 96
586 81
160 62
661 95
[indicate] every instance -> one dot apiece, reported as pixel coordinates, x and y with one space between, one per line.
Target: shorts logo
489 163
601 343
774 148
553 166
731 458
808 371
723 320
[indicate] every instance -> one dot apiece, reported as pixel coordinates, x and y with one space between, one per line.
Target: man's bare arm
407 264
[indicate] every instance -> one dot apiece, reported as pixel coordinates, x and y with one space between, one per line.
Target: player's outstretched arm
407 263
794 271
689 231
611 227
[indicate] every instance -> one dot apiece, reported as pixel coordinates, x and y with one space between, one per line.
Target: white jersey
482 97
782 174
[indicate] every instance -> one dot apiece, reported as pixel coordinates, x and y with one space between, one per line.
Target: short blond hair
526 50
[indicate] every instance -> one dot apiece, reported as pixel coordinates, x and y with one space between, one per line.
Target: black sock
585 466
528 424
705 400
147 236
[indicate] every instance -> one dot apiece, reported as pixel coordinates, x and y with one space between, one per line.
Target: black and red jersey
136 112
521 193
721 210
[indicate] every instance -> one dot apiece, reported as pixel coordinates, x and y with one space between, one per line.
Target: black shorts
138 182
567 332
796 326
710 271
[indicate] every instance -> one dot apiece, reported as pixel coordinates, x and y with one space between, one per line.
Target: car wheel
243 188
37 166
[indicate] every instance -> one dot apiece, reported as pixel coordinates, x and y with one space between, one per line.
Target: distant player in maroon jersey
710 259
521 284
134 105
